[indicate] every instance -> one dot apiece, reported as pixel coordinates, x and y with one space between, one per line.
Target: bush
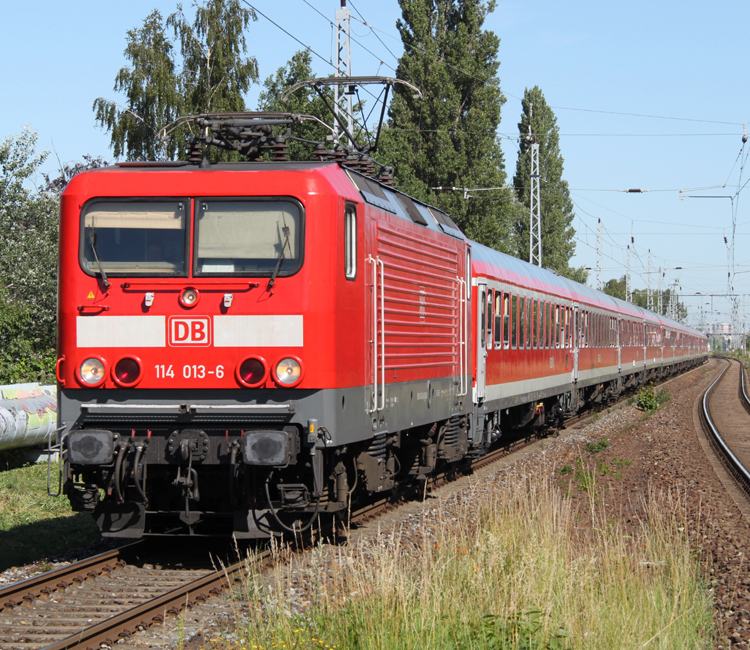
647 399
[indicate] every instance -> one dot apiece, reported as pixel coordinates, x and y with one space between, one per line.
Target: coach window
551 326
350 241
499 318
506 321
513 321
528 322
555 340
248 237
521 321
490 319
134 237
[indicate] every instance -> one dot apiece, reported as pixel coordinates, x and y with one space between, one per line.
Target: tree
557 214
304 100
615 288
152 95
212 74
57 184
28 265
448 138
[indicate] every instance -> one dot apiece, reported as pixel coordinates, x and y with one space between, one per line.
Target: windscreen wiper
92 241
272 281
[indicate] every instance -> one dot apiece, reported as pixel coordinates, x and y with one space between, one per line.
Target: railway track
100 600
105 598
728 426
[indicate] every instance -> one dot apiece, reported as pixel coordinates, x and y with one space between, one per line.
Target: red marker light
127 372
252 372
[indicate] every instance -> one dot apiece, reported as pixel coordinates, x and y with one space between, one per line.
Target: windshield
135 237
247 237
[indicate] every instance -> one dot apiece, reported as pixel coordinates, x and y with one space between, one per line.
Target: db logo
189 331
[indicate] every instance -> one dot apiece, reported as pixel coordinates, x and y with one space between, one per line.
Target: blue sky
668 59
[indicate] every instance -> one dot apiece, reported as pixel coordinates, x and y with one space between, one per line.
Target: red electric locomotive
244 347
241 344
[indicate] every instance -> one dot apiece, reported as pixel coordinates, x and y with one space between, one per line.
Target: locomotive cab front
203 318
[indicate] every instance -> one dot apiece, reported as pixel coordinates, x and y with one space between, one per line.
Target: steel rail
122 625
743 389
731 462
50 581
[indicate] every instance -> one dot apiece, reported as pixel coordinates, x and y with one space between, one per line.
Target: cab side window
350 241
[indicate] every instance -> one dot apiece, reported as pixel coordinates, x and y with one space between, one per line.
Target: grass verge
34 526
512 569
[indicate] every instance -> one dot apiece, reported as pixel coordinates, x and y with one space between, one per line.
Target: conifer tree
211 74
448 138
557 213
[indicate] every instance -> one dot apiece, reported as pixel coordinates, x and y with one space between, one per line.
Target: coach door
576 340
481 340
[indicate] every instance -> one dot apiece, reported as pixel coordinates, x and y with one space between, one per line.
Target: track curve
726 419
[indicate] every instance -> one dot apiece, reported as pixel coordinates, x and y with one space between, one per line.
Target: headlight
92 372
288 372
189 297
90 447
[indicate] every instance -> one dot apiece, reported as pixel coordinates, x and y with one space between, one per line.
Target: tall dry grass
518 565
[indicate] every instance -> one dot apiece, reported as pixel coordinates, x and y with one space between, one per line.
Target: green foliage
619 463
596 447
523 631
34 525
585 478
28 265
640 298
662 396
647 400
150 85
305 101
616 288
566 469
448 138
212 74
557 214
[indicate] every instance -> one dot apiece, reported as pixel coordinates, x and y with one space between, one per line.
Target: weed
619 463
566 469
603 468
596 447
585 478
180 632
662 396
631 401
523 630
647 399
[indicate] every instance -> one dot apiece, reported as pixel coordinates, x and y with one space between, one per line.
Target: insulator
195 151
280 150
386 176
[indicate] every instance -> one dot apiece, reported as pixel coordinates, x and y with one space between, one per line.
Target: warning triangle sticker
91 295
